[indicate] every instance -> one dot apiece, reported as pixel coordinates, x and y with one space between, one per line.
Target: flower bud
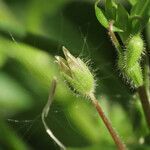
76 73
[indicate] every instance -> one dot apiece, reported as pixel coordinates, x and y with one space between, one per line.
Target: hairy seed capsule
134 74
129 60
134 50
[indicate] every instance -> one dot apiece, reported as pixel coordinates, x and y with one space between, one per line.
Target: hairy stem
145 103
114 38
113 133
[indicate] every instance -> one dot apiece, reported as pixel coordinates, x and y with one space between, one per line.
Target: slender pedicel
46 111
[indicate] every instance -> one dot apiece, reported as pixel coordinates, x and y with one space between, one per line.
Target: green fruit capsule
134 74
134 50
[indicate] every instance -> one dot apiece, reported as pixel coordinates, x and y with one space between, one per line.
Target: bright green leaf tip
102 18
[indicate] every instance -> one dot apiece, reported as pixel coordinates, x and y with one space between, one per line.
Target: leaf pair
125 23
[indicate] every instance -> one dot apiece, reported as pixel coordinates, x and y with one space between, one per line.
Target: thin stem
115 136
45 114
114 38
145 103
147 75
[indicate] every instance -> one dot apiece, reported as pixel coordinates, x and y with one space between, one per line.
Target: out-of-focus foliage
32 32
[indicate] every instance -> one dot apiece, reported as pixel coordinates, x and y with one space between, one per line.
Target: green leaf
37 62
8 21
102 146
122 18
140 14
13 97
122 21
91 125
3 59
141 8
105 146
110 9
102 18
9 139
37 13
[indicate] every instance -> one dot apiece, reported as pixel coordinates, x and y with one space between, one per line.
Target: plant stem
147 75
145 103
45 114
141 90
115 136
114 38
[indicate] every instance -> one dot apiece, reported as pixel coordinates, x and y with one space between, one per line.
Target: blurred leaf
121 123
138 118
103 146
9 23
37 10
86 123
110 147
37 62
3 59
56 28
142 10
13 97
9 139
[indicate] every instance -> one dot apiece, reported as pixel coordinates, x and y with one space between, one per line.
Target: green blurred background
32 32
